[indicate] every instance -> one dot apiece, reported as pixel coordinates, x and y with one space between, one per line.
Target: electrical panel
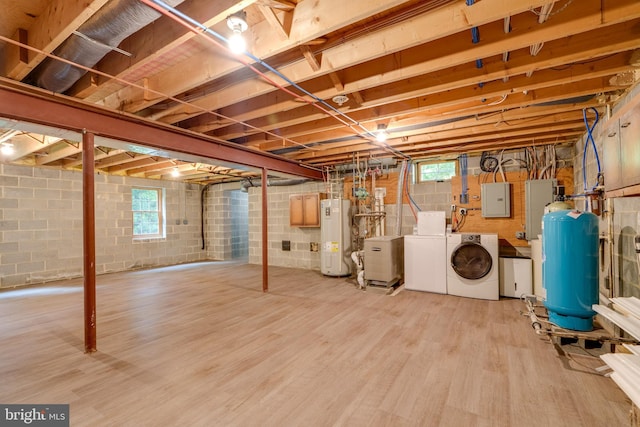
496 200
538 193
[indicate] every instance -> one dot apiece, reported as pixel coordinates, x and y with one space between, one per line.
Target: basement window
147 205
436 171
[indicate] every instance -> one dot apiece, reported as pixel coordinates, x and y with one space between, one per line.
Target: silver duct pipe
401 176
101 33
272 183
387 161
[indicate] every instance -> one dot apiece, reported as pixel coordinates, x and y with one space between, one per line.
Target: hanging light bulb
381 133
237 43
7 149
238 24
175 172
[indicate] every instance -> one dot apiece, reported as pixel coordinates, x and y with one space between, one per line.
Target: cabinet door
630 147
311 210
612 166
296 210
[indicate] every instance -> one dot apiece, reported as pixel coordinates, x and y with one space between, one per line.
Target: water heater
335 245
570 267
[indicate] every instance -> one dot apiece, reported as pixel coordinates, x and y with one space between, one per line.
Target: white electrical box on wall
496 200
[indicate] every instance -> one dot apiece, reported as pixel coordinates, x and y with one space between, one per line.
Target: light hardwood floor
201 345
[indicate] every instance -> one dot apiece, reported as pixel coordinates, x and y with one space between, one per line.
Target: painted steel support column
265 243
89 242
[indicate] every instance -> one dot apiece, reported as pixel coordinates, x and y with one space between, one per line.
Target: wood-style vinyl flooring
202 345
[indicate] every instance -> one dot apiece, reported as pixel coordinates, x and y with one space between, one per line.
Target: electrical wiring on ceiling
220 41
542 165
154 92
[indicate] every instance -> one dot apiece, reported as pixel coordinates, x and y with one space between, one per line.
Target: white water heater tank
335 245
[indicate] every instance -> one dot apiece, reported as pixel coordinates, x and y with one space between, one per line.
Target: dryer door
471 261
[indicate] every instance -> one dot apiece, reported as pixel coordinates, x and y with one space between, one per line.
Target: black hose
204 189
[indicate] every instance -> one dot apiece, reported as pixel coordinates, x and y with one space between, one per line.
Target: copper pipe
89 242
265 251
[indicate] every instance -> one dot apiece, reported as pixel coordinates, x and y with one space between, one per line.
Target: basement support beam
35 106
89 242
265 243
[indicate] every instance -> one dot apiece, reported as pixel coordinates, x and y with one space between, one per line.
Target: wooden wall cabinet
622 151
304 210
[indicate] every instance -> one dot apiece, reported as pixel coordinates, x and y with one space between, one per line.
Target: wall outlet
314 246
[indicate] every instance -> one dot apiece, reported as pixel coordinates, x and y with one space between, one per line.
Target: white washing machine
472 265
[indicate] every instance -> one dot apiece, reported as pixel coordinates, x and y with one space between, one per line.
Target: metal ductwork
100 34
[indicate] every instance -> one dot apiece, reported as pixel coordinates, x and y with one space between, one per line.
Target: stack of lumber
625 366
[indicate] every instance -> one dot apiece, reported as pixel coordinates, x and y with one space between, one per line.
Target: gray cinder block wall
41 225
226 222
300 238
430 196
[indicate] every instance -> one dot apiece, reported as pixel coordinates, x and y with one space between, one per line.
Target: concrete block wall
300 255
218 220
430 196
41 225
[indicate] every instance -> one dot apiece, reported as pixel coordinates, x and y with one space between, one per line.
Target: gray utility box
496 200
384 259
538 193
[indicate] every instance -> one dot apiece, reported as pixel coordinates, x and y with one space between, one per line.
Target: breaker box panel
496 200
538 193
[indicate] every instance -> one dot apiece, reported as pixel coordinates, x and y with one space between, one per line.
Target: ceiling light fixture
238 24
7 149
340 99
175 172
381 133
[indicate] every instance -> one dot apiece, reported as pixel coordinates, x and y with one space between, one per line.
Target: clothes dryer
472 268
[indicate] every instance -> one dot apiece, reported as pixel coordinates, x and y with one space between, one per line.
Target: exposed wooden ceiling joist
410 64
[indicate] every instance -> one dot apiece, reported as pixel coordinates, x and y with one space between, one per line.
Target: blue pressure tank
570 267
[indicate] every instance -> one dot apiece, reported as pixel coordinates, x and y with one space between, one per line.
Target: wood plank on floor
202 345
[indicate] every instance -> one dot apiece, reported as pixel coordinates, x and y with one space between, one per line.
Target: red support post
89 242
265 243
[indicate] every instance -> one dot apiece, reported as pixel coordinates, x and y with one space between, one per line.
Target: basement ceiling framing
413 66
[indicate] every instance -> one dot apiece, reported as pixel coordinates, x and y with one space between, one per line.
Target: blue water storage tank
570 267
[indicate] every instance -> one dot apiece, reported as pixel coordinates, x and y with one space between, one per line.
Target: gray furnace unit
383 260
